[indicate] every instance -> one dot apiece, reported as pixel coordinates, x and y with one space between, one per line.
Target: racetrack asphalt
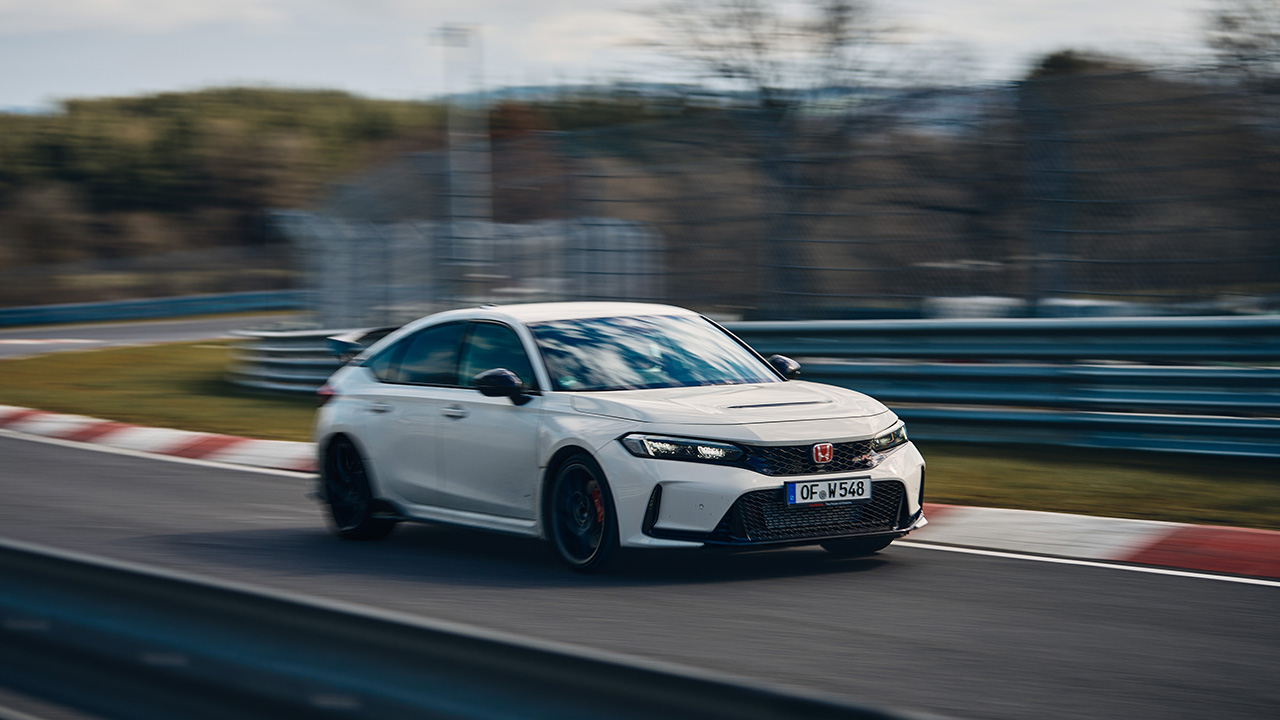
913 628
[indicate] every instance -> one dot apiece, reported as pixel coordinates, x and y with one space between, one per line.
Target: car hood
730 404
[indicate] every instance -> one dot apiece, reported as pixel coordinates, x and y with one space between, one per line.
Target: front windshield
633 353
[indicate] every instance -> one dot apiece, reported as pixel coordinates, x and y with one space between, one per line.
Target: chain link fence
1121 193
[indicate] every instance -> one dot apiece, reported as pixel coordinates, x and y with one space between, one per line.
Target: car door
400 432
488 445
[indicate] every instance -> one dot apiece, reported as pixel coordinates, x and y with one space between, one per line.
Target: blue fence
150 308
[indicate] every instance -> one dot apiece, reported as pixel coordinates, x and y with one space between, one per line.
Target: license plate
819 492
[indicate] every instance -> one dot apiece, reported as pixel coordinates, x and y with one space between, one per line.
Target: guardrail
1009 380
1236 339
126 641
150 308
297 361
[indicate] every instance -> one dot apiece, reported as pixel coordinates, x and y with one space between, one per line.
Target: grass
177 386
182 386
1151 486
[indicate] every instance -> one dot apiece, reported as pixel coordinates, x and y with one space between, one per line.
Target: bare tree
769 49
777 62
1245 36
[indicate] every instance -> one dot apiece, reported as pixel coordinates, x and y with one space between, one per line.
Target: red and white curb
1237 551
274 454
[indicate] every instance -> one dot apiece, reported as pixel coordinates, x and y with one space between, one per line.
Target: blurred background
747 158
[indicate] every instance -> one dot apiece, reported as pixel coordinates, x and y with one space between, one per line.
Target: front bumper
762 517
682 504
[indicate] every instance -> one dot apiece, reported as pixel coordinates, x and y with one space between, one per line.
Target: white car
605 425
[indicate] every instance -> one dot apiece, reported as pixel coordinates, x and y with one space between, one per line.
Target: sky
58 49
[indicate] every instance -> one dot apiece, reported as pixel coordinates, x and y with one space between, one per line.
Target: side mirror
785 366
501 382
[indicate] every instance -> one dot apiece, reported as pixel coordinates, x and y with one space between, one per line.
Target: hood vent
783 404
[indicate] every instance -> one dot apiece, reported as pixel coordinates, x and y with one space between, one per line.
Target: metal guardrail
297 361
1203 390
1236 339
1053 382
127 641
152 308
1195 434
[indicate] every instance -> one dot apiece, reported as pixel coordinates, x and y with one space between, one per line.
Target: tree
777 62
1245 36
760 47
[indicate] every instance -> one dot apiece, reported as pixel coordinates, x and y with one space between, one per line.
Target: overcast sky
54 49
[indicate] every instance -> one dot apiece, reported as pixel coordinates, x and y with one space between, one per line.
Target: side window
386 364
495 346
431 356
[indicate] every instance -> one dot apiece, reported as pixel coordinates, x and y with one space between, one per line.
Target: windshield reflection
632 353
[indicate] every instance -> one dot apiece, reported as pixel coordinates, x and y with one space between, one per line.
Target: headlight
890 439
673 448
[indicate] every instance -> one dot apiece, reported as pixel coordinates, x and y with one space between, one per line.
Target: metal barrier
152 308
991 380
1235 339
122 640
1203 390
297 361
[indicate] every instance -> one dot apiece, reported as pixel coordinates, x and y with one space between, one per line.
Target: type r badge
823 452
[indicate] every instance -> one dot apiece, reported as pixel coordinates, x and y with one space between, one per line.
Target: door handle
379 407
454 412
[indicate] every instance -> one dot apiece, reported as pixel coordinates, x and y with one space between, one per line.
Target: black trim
731 531
651 512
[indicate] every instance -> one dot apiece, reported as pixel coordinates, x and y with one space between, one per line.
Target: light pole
468 247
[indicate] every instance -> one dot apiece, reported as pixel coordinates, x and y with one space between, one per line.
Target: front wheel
583 524
856 547
350 497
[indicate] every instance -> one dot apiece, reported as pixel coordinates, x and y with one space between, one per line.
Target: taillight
324 395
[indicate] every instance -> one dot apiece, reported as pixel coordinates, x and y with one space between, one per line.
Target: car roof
542 312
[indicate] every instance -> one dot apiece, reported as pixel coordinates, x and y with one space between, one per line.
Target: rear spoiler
349 344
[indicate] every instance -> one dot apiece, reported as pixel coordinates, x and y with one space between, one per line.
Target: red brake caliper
595 498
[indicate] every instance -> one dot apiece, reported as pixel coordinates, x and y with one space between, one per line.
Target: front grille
780 460
763 516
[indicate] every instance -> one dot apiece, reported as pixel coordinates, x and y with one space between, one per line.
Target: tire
856 547
583 522
349 495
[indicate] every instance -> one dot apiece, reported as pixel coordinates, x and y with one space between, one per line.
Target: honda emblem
822 453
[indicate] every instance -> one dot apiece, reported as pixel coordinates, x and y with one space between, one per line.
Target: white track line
1089 563
155 456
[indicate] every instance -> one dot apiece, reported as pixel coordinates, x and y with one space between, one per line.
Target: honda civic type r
605 425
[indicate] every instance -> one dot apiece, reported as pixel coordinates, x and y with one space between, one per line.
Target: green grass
177 386
183 386
1151 486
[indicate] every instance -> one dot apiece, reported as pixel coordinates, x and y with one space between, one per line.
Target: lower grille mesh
763 516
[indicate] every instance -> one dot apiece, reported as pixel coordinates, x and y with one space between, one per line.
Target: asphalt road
912 629
20 342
